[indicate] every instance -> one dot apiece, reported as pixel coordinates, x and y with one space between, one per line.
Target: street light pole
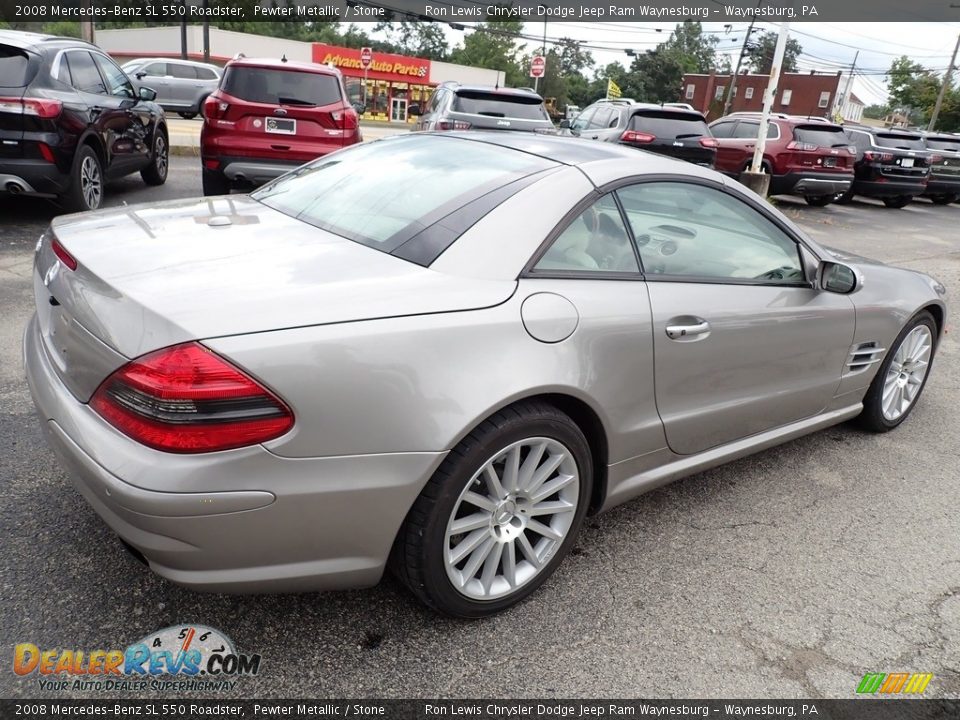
743 50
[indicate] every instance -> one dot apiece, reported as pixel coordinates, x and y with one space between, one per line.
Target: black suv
943 187
70 120
464 107
892 165
673 131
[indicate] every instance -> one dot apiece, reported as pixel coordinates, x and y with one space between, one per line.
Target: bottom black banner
900 709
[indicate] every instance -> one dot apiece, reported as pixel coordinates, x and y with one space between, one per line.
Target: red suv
270 116
803 156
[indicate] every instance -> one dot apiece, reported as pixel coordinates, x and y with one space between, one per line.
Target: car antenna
283 58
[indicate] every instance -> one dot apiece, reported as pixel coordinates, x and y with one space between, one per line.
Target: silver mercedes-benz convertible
438 353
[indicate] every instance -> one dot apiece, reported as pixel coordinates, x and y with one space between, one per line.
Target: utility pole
733 80
755 179
842 98
86 26
943 88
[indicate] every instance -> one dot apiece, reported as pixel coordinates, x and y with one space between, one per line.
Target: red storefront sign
383 66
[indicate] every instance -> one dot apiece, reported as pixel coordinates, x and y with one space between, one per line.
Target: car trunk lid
151 276
677 134
16 71
820 147
497 110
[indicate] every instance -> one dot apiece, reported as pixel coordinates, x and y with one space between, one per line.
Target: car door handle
675 332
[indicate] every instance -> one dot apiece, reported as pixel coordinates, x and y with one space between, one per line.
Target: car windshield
14 67
901 142
669 124
275 87
944 144
505 105
382 193
825 137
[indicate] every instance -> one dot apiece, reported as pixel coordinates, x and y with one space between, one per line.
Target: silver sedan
438 353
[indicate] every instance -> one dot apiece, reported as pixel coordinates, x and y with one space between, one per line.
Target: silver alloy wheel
906 372
160 156
91 184
511 518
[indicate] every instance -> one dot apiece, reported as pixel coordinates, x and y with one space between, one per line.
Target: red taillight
211 163
346 119
46 152
453 125
881 156
214 108
632 136
61 253
186 399
709 142
38 107
797 145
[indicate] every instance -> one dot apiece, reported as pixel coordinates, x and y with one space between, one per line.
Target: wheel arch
94 141
939 317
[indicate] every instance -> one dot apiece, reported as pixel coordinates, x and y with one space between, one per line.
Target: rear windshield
826 137
276 87
499 105
902 142
669 124
14 67
382 194
944 144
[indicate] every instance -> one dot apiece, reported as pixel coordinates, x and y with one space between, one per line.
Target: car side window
722 130
694 232
583 119
601 118
118 84
596 241
155 70
746 130
205 74
86 77
184 72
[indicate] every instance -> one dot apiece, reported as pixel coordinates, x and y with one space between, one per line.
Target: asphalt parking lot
788 574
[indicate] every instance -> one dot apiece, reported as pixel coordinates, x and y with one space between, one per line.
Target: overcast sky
826 46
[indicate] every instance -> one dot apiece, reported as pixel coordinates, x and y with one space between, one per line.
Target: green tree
913 88
493 45
876 112
760 51
422 39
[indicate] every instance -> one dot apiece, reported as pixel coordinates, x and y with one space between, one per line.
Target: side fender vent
863 356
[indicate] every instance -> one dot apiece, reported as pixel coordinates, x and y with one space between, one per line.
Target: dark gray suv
663 129
464 107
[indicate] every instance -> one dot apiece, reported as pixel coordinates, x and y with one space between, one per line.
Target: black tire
944 199
187 115
899 201
77 199
818 200
844 198
156 172
872 417
418 554
214 183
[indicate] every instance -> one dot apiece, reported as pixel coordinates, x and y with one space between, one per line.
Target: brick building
799 93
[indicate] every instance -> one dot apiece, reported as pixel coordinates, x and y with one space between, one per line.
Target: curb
185 150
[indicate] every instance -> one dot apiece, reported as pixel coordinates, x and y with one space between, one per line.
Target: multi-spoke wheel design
898 383
906 372
91 183
511 517
499 514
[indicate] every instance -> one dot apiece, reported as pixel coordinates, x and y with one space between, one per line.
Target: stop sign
366 57
538 66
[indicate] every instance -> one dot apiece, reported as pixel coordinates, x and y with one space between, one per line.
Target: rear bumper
940 185
237 521
814 184
254 172
889 188
32 177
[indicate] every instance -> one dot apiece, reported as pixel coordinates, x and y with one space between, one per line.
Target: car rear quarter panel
420 384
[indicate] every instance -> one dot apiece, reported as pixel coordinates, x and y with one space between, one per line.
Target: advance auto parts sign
384 66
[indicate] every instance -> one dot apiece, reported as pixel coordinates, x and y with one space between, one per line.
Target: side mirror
414 110
140 75
564 124
360 108
837 278
148 94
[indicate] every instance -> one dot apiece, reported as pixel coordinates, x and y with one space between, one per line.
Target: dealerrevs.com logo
180 657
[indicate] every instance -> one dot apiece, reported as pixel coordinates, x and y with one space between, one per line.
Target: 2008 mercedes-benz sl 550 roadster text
438 353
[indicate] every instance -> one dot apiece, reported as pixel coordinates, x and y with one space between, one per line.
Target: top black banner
465 11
